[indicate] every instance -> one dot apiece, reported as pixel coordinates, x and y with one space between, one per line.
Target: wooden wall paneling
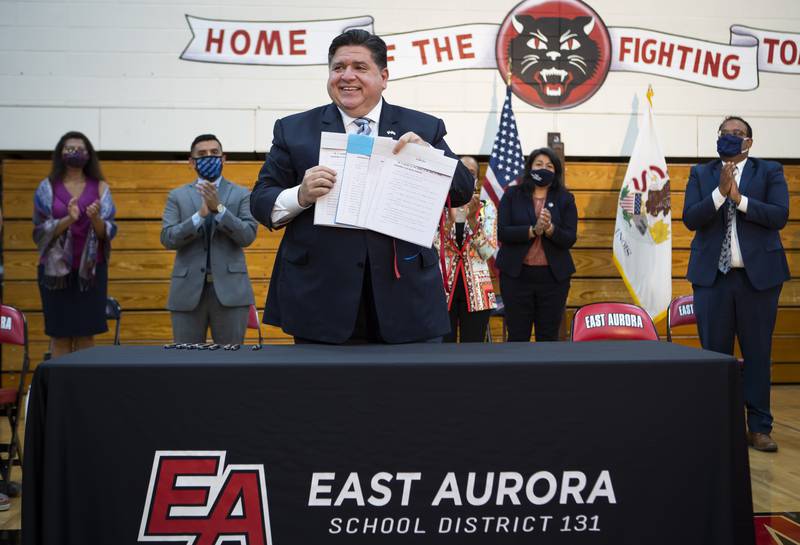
130 175
134 264
133 235
140 266
150 205
131 294
609 176
150 327
143 175
145 235
152 294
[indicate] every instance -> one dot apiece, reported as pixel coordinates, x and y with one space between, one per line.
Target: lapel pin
391 133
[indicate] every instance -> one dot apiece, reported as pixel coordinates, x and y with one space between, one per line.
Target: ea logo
559 52
195 498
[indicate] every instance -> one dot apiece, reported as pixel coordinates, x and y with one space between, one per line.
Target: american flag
632 204
506 161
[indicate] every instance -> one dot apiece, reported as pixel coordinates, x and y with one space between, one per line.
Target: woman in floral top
467 238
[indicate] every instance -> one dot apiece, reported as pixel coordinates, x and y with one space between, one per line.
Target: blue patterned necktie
730 213
363 126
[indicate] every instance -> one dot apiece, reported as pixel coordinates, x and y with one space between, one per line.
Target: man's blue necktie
363 126
730 213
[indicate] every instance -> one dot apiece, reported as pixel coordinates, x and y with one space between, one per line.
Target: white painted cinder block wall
112 70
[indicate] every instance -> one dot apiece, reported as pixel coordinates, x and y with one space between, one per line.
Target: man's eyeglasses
738 133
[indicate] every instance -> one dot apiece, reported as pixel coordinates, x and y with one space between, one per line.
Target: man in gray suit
208 222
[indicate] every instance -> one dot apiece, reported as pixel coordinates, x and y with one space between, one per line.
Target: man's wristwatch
220 208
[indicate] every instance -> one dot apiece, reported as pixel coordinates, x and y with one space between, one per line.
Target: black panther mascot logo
553 55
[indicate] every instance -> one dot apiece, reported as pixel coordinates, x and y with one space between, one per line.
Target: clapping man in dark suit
208 222
337 285
737 206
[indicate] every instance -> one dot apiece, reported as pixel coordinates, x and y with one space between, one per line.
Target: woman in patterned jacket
467 238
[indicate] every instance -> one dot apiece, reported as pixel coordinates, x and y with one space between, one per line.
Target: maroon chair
13 330
254 323
114 312
680 312
612 322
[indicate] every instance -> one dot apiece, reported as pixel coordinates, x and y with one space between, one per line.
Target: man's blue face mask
208 167
729 145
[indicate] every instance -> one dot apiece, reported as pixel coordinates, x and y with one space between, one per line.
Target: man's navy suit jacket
317 279
764 185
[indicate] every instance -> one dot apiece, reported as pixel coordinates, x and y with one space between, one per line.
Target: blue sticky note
360 144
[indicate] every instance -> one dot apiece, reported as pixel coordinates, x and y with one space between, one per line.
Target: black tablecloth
585 443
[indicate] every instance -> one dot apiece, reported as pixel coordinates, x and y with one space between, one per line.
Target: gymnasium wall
113 69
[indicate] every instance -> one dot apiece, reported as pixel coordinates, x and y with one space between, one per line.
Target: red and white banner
424 52
288 43
733 66
777 51
687 59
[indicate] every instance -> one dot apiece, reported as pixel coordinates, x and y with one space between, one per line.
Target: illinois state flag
643 231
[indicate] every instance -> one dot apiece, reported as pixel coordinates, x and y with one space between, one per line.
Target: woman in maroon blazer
537 225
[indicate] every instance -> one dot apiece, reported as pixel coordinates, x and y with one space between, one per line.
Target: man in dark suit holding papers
337 285
737 206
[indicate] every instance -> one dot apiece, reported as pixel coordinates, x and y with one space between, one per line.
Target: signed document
332 154
365 155
400 195
410 193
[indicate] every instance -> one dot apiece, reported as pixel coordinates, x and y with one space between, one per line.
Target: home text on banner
290 43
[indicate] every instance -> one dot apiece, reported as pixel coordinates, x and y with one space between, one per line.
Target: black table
585 443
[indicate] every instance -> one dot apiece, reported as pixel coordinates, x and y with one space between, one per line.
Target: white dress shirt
196 218
287 205
719 200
